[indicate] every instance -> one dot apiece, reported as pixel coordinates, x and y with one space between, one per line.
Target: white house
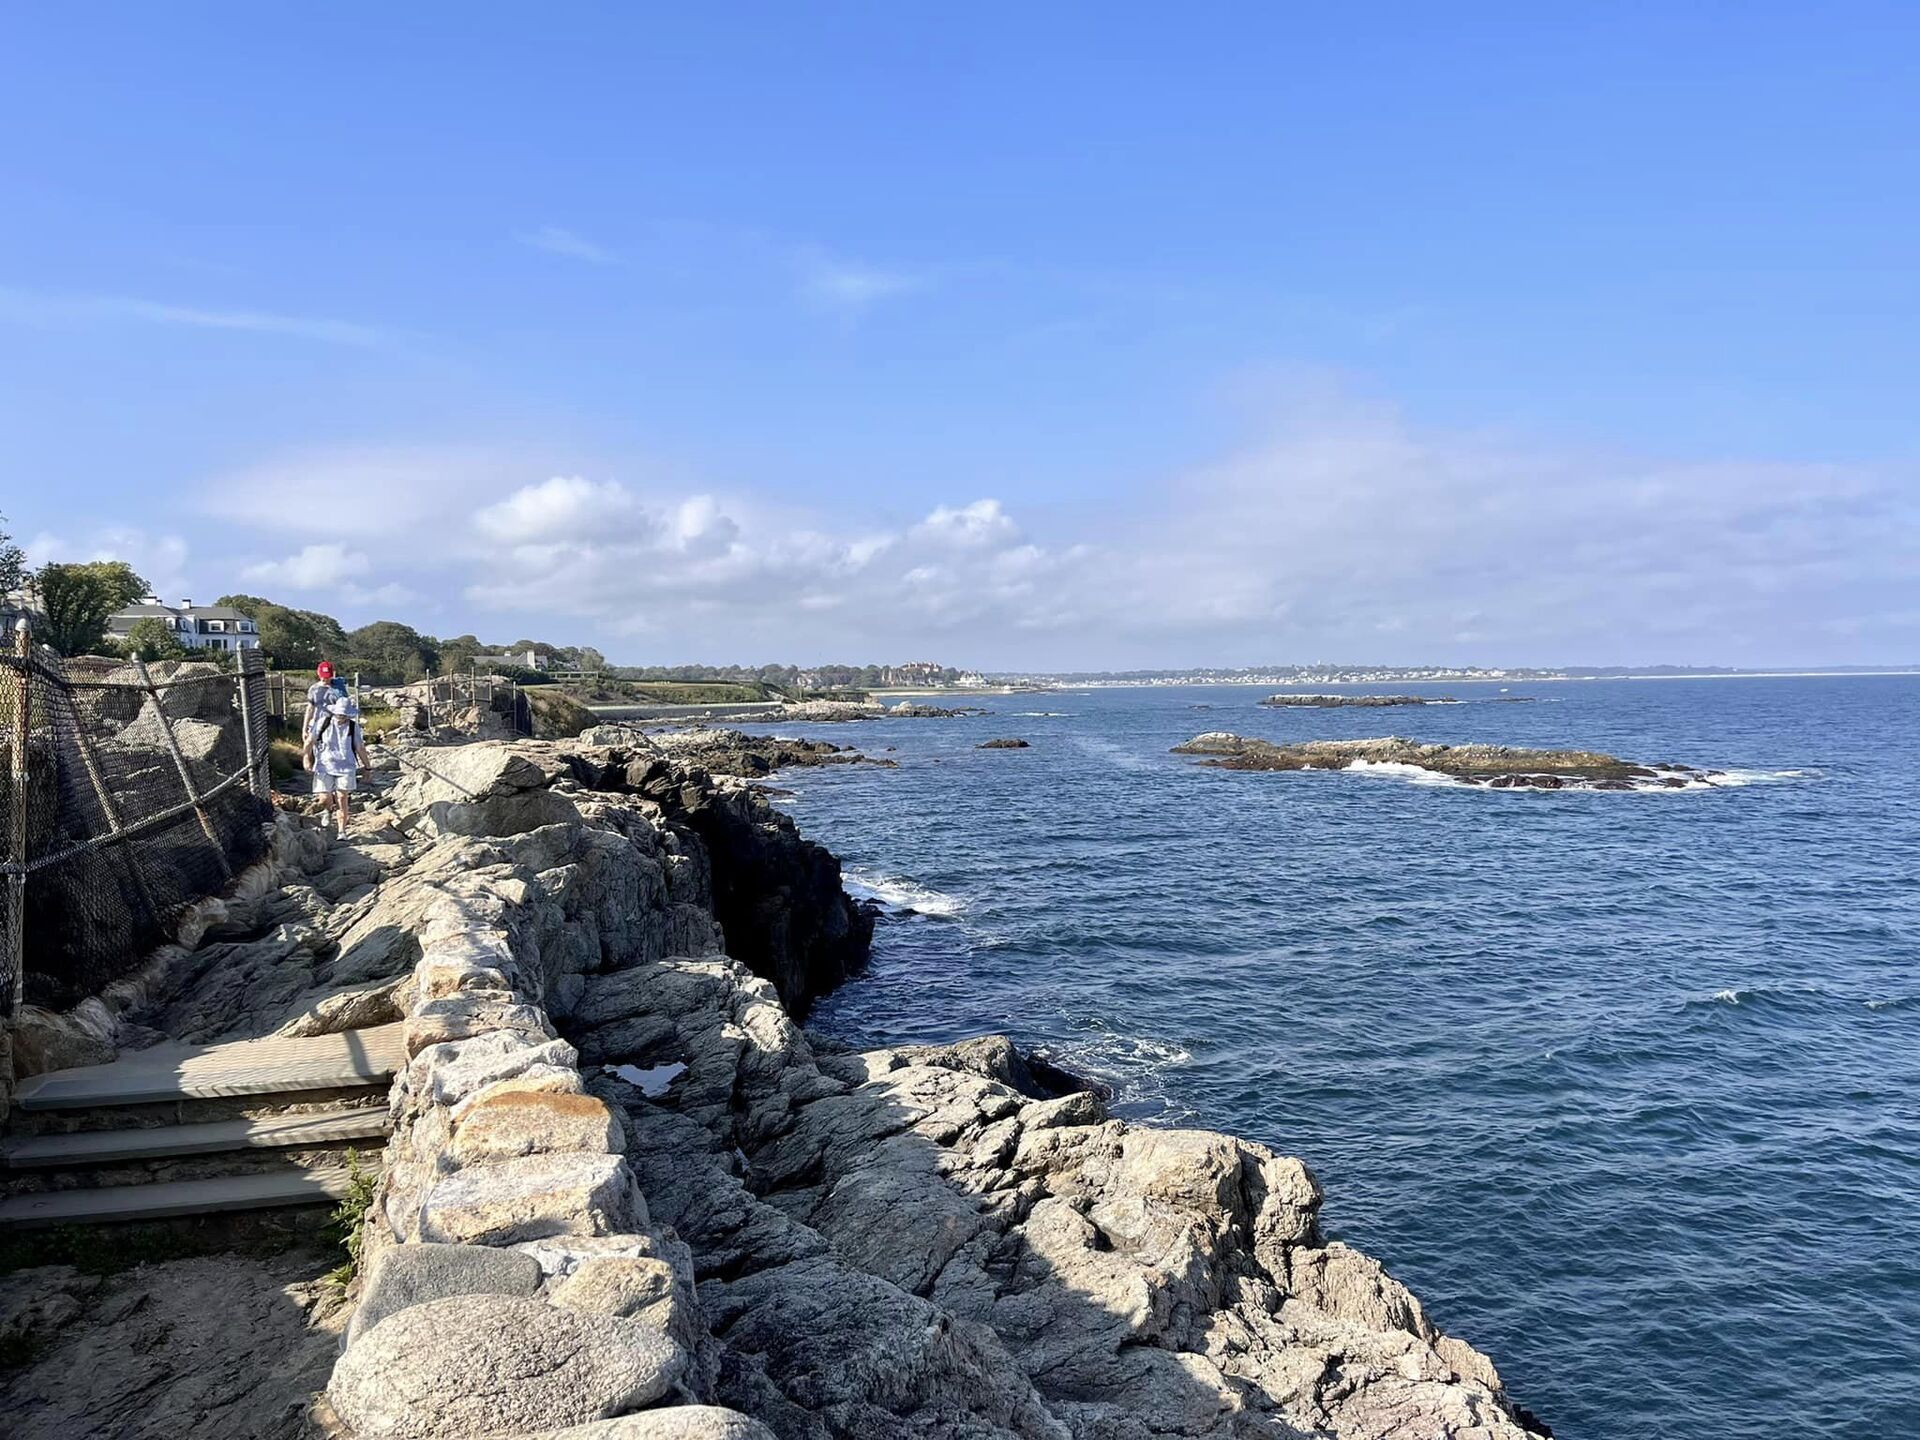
200 627
522 659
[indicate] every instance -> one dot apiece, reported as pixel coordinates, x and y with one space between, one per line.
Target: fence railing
441 698
130 792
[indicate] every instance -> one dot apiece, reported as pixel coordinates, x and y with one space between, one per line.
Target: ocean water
1626 1087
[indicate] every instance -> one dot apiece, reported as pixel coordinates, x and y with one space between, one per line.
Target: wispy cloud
32 307
851 287
558 240
315 567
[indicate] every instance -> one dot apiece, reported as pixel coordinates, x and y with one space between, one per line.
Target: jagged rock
1003 745
481 789
912 710
732 752
222 1346
476 1365
404 1275
831 710
1145 1282
36 1302
1498 766
46 1040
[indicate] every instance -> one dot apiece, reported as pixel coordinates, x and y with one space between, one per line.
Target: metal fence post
180 764
17 829
248 673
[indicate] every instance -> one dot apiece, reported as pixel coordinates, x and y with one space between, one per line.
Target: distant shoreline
1509 680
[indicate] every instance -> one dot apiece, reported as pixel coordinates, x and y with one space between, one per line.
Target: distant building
914 672
13 605
518 660
199 627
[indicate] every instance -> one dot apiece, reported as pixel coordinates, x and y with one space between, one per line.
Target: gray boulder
406 1275
474 1365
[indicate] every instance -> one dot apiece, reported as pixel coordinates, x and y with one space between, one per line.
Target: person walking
320 694
335 753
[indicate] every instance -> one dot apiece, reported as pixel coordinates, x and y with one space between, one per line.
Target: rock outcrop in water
1335 702
733 752
1497 766
1008 744
914 710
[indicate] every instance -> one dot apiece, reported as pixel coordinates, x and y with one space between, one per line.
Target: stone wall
514 1283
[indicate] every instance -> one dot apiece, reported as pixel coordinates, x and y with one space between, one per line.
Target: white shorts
325 783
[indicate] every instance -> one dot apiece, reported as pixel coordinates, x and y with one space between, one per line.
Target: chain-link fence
128 791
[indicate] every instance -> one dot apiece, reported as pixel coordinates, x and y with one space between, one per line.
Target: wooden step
214 1137
274 1065
261 1190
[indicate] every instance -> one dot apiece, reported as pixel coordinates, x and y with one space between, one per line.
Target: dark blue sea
1626 1087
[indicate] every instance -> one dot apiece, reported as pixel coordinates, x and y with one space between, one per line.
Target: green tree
456 655
292 639
78 600
151 640
13 564
387 651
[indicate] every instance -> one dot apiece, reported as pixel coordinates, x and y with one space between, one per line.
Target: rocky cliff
627 1197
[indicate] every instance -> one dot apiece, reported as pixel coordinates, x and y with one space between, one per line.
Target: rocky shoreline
1497 767
628 1198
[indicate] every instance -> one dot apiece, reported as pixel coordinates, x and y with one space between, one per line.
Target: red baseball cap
324 669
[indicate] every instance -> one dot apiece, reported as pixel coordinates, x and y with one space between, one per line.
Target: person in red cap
319 695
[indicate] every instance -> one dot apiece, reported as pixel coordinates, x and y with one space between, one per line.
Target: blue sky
1004 335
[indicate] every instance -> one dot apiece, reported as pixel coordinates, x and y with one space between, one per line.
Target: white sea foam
1734 778
1132 1065
1690 782
1399 770
903 894
1043 714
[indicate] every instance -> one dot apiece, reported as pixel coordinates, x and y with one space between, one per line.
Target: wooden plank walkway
273 1065
214 1137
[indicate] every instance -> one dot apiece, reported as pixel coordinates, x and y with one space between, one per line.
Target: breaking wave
900 894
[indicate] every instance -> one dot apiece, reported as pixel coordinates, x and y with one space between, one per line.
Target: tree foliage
393 653
13 564
292 639
151 640
78 600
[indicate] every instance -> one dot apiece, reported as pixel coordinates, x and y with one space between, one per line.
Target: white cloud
557 240
1338 531
324 566
983 522
562 507
35 308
